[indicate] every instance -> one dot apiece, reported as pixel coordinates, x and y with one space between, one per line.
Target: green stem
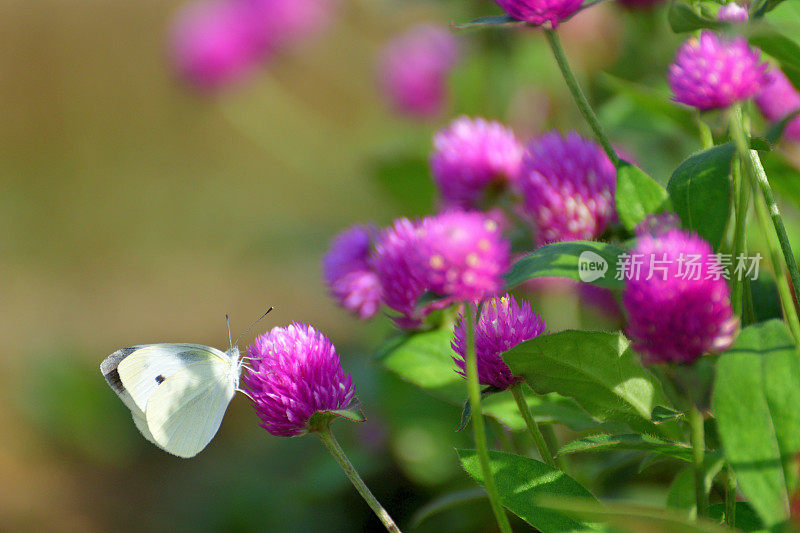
533 427
706 138
697 433
333 446
756 171
552 444
577 94
789 310
742 192
474 392
730 498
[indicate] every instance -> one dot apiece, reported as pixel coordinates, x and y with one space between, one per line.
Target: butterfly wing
109 370
148 366
185 411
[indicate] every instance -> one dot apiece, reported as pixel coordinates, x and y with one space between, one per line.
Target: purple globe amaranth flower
677 299
469 156
538 12
401 284
779 98
284 22
568 185
503 324
733 12
215 43
462 255
295 373
348 271
714 72
414 69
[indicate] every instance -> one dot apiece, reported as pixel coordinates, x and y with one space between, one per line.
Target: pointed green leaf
446 502
635 441
593 262
630 517
700 189
322 419
663 414
782 48
599 371
756 398
637 195
520 480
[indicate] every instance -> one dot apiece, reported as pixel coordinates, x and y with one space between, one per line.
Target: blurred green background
134 210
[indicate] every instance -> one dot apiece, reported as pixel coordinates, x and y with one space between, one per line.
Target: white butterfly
177 393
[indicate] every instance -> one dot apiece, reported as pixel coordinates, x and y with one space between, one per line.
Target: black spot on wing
159 379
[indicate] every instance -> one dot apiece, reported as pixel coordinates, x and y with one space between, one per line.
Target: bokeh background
135 208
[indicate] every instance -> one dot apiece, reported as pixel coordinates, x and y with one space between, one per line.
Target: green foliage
425 359
562 260
637 195
646 443
599 371
700 190
521 480
682 18
783 49
681 493
756 395
631 518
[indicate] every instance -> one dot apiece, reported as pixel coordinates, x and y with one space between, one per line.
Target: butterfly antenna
251 326
228 321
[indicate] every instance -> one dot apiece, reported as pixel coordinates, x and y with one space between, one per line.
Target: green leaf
683 18
756 395
681 493
629 517
637 195
322 419
572 260
425 359
445 503
782 48
645 443
653 101
762 7
599 371
664 414
520 480
701 192
494 21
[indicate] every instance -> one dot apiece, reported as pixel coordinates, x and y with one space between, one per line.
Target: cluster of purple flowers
217 42
458 255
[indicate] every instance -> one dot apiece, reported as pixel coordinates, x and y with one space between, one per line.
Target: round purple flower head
503 324
677 299
462 255
713 72
777 99
733 12
568 186
538 12
284 22
469 156
348 272
400 282
214 43
414 69
296 372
